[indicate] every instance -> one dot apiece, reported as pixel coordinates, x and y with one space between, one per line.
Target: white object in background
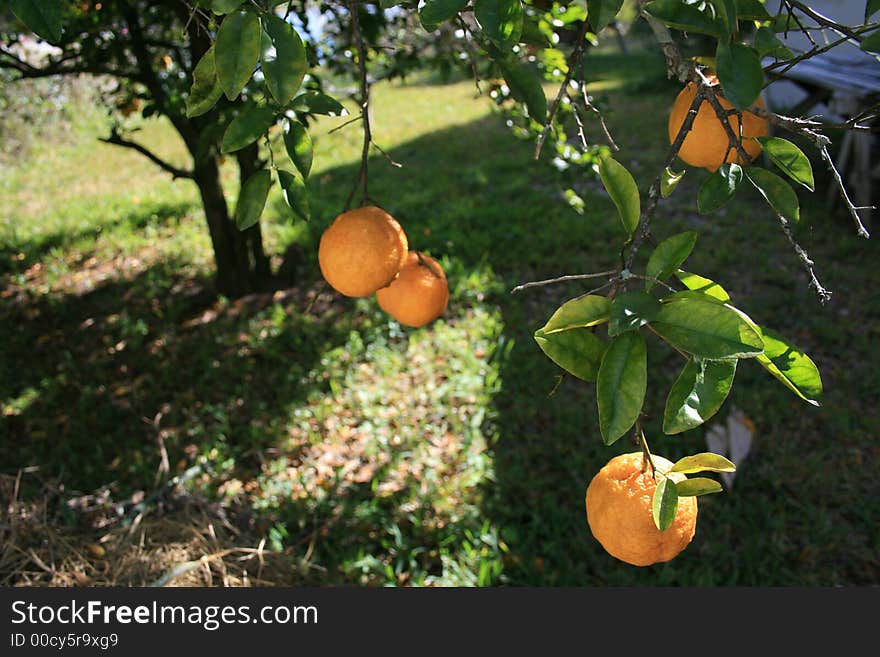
731 439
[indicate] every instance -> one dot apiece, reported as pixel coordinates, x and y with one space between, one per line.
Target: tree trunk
248 164
238 272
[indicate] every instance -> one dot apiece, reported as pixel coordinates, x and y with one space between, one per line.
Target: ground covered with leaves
153 433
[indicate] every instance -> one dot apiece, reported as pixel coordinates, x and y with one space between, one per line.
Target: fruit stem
646 451
426 264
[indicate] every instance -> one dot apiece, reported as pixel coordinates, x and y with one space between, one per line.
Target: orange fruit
419 294
619 511
707 144
361 251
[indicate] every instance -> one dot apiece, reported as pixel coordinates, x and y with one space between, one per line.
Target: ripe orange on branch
619 511
707 145
362 251
419 294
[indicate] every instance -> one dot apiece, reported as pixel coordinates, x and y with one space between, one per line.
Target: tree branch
117 140
806 127
823 294
644 227
364 102
563 279
573 60
11 61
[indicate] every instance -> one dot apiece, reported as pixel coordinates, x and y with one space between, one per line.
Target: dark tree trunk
238 272
248 164
242 265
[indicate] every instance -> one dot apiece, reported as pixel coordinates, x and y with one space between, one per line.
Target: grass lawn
350 450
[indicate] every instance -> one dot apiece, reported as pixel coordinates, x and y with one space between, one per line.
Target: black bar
367 621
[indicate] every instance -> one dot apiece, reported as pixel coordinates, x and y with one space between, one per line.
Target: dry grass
190 545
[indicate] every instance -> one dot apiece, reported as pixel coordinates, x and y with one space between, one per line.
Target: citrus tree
243 78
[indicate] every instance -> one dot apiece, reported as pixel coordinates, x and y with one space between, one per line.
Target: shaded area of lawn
364 453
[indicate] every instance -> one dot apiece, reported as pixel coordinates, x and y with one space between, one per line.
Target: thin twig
364 104
580 124
644 227
806 127
468 46
573 62
823 294
595 110
359 117
390 159
562 279
824 20
851 207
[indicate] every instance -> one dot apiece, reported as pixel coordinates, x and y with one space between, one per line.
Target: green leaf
284 61
500 20
295 194
668 256
582 312
697 486
726 12
435 12
532 33
687 17
299 147
632 310
752 10
702 285
778 193
669 181
706 328
719 188
697 394
206 89
791 366
871 43
314 102
665 504
767 44
42 17
871 8
525 85
790 159
225 6
621 385
602 12
578 351
703 462
247 127
237 50
623 191
740 73
252 199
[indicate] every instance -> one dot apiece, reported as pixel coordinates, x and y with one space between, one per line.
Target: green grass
371 454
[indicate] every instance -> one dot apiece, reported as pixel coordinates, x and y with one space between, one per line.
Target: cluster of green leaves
250 41
520 42
665 502
737 63
699 321
719 188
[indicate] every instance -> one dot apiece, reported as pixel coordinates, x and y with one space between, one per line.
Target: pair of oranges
366 251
